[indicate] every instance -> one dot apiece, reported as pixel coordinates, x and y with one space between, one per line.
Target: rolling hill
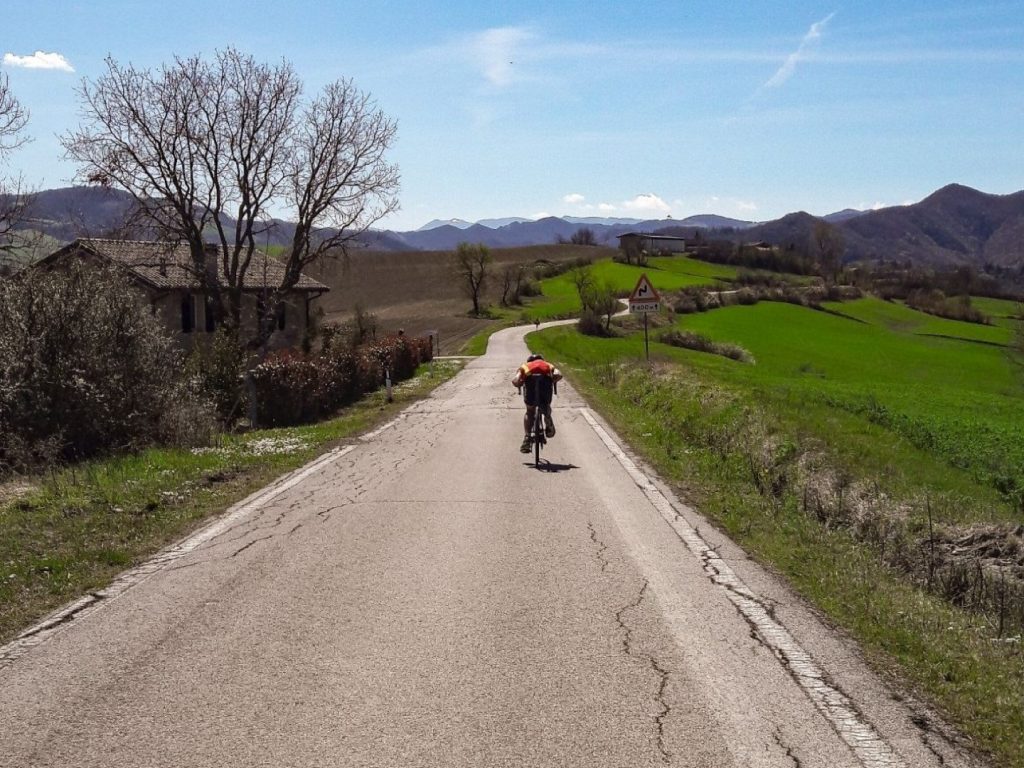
954 225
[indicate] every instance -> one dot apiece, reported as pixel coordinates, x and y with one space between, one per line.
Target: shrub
86 369
217 369
544 269
935 302
530 288
591 324
700 343
292 389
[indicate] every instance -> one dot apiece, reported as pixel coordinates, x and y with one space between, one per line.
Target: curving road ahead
425 597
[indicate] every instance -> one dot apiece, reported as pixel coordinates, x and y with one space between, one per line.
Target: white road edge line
870 748
53 623
48 627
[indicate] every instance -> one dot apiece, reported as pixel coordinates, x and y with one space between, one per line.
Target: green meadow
947 387
927 412
560 298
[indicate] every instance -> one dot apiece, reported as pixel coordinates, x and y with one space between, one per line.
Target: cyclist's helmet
531 358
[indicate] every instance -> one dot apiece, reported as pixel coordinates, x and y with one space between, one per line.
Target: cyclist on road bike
539 377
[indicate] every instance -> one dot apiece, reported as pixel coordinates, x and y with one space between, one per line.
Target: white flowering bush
86 369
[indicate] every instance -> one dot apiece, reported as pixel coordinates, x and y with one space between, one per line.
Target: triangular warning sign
644 291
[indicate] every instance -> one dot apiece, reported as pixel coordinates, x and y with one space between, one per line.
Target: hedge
289 388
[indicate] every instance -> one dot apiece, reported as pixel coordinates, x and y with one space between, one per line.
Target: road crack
777 735
242 549
601 548
651 663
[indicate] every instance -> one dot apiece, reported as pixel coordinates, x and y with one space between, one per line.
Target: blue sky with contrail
599 108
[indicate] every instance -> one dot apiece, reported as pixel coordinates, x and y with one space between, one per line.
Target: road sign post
642 301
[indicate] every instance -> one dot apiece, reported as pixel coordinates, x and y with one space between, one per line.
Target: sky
745 109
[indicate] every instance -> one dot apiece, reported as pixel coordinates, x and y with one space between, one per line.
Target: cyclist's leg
527 428
549 423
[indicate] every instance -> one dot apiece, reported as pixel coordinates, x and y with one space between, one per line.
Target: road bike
537 435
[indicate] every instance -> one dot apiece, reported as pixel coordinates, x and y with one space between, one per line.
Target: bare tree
829 247
471 265
583 236
226 144
512 277
14 198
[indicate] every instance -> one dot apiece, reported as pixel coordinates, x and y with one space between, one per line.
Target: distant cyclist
539 377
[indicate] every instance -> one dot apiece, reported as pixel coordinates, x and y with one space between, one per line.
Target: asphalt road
428 598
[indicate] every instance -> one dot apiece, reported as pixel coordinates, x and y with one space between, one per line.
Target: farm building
652 243
166 275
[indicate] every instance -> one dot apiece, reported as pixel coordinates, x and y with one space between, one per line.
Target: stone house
164 273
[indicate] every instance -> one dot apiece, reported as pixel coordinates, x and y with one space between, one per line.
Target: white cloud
789 65
39 60
606 208
745 205
494 51
573 198
647 204
541 215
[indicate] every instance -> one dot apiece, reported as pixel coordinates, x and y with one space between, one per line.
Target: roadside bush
700 343
359 329
293 389
217 369
86 369
591 324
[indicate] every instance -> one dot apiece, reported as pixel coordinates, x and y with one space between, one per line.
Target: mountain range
954 225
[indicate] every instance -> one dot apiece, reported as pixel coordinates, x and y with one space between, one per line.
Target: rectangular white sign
639 307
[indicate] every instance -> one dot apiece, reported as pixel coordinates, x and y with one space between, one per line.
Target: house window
188 314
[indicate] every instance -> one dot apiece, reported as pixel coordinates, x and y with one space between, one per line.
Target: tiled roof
167 265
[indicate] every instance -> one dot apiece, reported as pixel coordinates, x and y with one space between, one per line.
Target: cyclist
539 377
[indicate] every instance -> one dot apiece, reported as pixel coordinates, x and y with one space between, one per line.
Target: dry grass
417 292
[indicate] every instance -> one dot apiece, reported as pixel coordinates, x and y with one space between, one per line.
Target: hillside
955 225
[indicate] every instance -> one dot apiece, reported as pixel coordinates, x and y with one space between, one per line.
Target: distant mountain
843 215
71 212
457 223
497 223
955 225
599 220
713 221
793 229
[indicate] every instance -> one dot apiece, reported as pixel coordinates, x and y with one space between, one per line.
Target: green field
925 379
917 419
1003 312
560 299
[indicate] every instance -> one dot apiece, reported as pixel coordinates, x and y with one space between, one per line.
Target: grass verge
74 530
772 472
